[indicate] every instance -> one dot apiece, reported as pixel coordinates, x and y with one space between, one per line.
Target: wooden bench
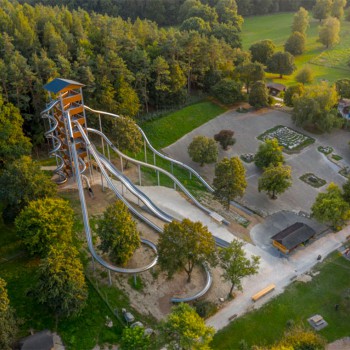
263 292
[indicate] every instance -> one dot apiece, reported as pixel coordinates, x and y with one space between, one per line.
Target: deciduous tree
183 245
295 44
195 23
21 182
262 51
343 87
118 233
275 180
301 338
259 95
43 223
269 153
329 32
291 93
185 329
305 75
281 63
322 9
228 91
337 9
13 143
126 135
229 33
250 72
61 285
236 265
229 182
301 21
203 150
316 107
331 208
227 13
9 328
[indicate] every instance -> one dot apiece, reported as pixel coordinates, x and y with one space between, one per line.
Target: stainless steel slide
154 167
174 161
56 143
95 154
96 256
133 189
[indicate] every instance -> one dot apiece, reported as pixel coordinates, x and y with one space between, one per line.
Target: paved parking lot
247 127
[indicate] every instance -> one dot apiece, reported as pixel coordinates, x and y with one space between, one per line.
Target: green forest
170 12
129 67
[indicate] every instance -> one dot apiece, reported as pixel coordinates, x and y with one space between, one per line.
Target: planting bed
325 149
313 180
290 139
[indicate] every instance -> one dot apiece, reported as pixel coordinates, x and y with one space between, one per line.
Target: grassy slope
300 301
328 64
168 129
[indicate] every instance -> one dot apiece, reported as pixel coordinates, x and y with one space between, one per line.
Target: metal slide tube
154 167
134 190
219 242
209 282
183 165
86 218
85 212
49 134
111 184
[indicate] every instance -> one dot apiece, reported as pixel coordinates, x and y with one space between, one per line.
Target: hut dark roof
60 84
276 86
294 235
39 341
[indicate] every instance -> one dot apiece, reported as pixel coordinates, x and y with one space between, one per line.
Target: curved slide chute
93 252
133 189
209 280
156 168
56 142
174 161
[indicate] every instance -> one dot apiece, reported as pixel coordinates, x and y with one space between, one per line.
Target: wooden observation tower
67 97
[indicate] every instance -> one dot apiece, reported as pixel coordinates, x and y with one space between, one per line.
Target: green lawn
164 131
297 303
330 64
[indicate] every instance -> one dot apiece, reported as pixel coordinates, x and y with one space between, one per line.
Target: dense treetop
166 12
126 65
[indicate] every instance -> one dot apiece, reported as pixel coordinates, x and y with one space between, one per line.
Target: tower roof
60 85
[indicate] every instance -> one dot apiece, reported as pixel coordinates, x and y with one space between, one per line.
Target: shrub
225 138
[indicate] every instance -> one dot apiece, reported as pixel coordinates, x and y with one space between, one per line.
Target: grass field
168 129
328 64
296 304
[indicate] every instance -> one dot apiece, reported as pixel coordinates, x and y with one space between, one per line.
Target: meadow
299 302
327 64
164 131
